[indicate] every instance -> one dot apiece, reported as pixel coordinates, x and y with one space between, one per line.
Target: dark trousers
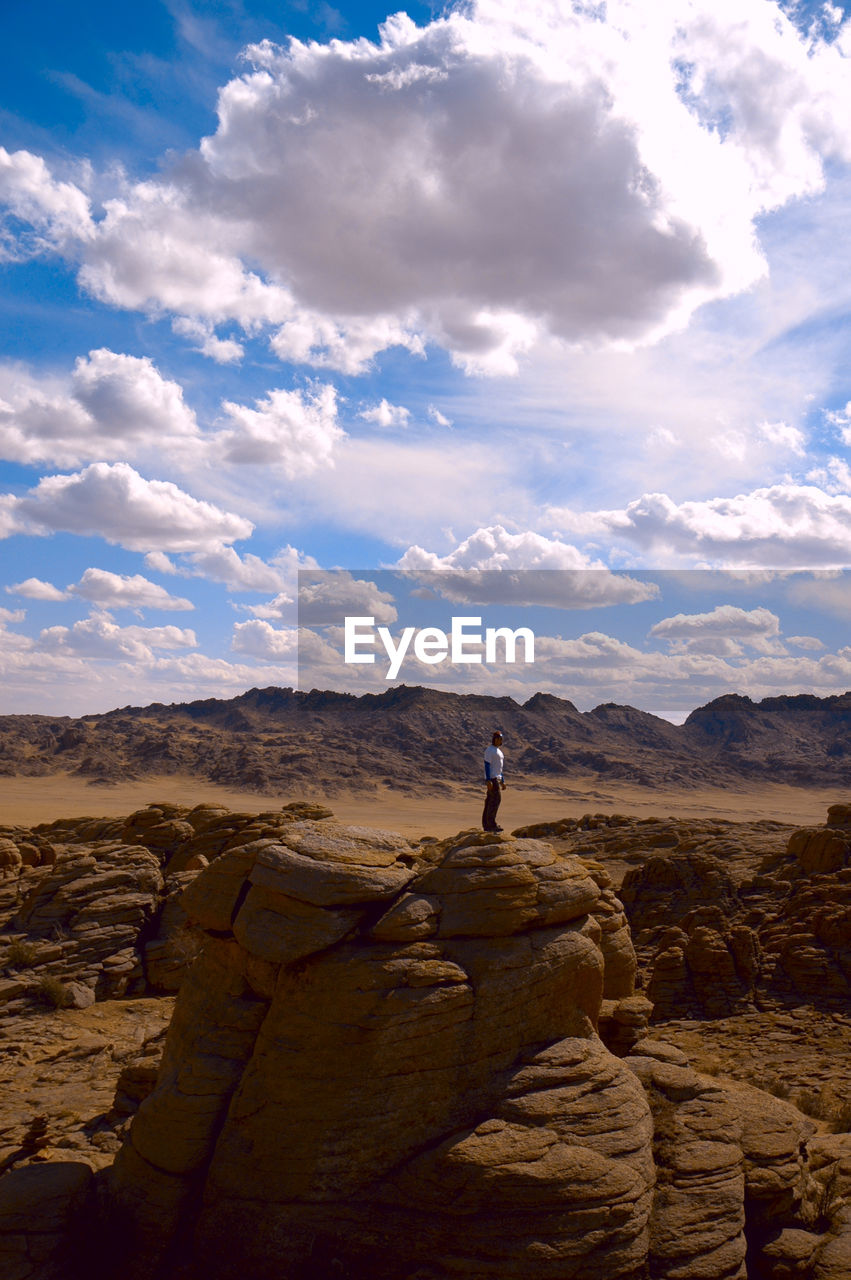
492 799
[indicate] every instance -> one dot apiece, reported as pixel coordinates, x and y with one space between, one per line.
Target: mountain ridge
274 739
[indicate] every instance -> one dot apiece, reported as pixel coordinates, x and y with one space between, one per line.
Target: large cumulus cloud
590 173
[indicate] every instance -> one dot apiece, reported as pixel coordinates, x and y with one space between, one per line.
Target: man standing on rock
494 760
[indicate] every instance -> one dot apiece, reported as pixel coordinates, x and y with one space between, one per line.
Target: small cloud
438 417
806 642
290 430
841 418
114 502
721 632
222 350
786 526
120 591
494 566
239 573
281 607
100 637
387 415
160 563
784 436
328 596
834 478
112 405
262 640
35 589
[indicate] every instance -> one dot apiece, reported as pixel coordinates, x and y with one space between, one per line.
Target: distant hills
277 740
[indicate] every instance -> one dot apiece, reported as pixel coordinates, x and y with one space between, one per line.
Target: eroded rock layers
388 1053
779 938
425 1061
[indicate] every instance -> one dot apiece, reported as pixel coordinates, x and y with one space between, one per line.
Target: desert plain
440 809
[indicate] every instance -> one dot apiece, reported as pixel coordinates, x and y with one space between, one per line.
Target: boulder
386 1054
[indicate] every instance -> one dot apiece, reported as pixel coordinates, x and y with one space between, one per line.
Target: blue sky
465 289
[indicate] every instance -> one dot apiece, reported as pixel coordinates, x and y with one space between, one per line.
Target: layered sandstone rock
397 1061
387 1054
90 907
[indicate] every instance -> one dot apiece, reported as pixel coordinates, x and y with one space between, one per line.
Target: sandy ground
28 801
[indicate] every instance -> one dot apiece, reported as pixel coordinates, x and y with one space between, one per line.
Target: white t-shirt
495 759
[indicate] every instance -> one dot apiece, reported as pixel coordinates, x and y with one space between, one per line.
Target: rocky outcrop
728 1166
667 890
417 1061
387 1054
713 947
90 908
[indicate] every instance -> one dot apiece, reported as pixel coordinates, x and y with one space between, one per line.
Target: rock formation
779 938
90 908
392 1060
372 1024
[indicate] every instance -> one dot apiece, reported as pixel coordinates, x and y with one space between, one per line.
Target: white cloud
841 418
262 640
784 437
618 158
346 344
117 407
834 476
722 631
222 350
240 573
328 596
385 414
806 642
99 636
121 591
9 520
58 212
12 615
161 563
116 503
247 572
36 589
128 393
438 417
282 607
493 565
288 430
112 406
785 525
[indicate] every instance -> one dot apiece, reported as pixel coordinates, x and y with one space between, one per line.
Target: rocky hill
274 740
